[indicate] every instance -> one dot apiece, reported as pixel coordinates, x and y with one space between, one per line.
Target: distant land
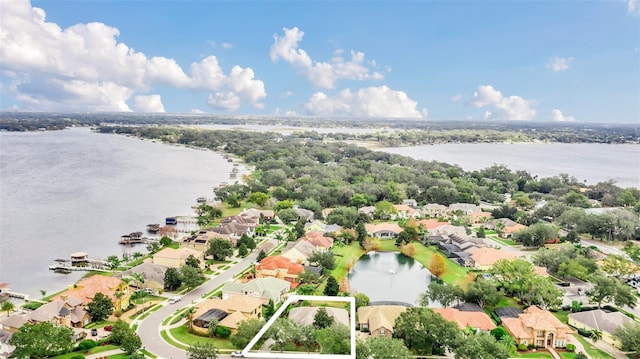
392 133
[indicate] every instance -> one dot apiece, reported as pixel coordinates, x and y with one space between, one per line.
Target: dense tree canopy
41 340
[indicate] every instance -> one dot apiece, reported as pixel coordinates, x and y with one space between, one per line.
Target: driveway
149 328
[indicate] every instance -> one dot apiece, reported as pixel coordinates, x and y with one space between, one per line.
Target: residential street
149 328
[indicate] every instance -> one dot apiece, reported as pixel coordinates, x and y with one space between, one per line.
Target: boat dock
79 262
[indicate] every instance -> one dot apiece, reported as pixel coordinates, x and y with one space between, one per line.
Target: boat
153 228
171 221
201 200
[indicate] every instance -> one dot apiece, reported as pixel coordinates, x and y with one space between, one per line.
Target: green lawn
536 355
345 255
96 350
594 352
506 242
562 315
185 337
453 273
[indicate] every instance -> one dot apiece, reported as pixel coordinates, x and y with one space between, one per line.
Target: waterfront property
114 288
379 320
477 320
175 258
383 230
266 289
67 310
281 268
537 327
306 315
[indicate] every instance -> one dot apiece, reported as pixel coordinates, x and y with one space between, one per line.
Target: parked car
174 300
237 354
94 332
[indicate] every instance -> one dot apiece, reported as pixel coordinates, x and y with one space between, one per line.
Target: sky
427 60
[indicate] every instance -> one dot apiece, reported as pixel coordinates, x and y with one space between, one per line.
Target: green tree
595 336
247 329
172 279
242 250
220 249
41 340
202 351
306 289
481 346
8 307
100 307
119 331
299 227
261 255
580 355
213 326
308 277
343 216
114 262
192 277
443 293
192 261
385 210
629 336
334 339
282 331
258 198
425 332
131 342
322 319
287 215
269 310
307 337
324 259
383 348
362 300
165 241
189 313
611 290
483 292
332 288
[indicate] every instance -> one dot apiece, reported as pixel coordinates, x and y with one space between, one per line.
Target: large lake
76 190
592 163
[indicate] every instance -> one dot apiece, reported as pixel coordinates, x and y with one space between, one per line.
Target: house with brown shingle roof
279 267
435 210
175 258
114 288
229 312
510 226
477 320
538 327
405 211
429 224
306 315
384 230
68 311
319 240
299 251
379 320
485 257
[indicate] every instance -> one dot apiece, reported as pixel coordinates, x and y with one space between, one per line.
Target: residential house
538 327
509 227
13 322
448 249
305 214
385 230
175 258
326 212
266 214
430 224
4 288
228 312
5 348
200 240
114 288
410 202
605 322
265 289
485 257
279 267
153 275
464 208
306 315
434 210
67 311
368 211
379 320
476 320
479 217
321 227
318 240
448 229
299 251
404 211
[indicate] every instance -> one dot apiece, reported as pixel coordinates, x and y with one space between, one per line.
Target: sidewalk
104 354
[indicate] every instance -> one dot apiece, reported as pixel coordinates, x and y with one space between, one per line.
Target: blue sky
461 60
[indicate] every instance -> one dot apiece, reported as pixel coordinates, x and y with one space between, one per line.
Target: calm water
75 190
592 163
389 276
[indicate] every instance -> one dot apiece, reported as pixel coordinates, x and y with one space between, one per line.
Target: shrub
222 331
522 347
570 347
77 356
584 332
108 328
87 344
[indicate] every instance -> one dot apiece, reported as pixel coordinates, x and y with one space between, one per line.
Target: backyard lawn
181 334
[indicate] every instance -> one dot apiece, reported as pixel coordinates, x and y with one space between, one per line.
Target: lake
76 190
389 277
587 162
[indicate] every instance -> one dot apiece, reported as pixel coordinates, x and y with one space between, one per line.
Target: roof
601 320
180 253
217 314
404 208
380 316
244 304
380 227
430 223
534 318
87 288
233 320
13 321
150 272
478 320
487 256
306 315
302 247
280 262
267 287
507 312
319 240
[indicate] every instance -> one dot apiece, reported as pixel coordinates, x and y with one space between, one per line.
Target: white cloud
151 103
556 115
510 108
456 98
322 74
633 7
50 64
197 111
367 102
227 45
557 64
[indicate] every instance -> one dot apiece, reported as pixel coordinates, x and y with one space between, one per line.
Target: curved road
149 328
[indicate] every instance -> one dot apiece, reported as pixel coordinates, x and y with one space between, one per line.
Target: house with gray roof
267 288
69 312
604 321
305 315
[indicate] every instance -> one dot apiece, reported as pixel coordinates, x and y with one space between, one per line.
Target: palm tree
8 307
213 325
43 292
595 335
190 312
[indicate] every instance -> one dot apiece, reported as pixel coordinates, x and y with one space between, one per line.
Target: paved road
149 328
